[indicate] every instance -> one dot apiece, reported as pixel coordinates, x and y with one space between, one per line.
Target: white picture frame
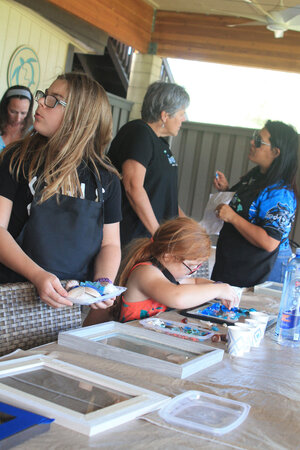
184 358
141 402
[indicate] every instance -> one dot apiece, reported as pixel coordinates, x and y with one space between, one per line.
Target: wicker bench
26 321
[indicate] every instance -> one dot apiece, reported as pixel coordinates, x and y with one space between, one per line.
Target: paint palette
191 332
216 312
88 299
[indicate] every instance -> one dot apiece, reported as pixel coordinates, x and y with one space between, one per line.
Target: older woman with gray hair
149 170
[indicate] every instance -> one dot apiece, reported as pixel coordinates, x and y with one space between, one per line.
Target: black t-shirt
137 141
20 194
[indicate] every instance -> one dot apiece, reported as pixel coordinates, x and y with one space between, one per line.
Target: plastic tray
229 317
88 300
205 412
191 332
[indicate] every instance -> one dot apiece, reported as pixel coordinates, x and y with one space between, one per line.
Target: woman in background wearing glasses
258 220
60 199
156 272
15 114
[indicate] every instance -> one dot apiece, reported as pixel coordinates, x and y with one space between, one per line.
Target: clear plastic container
205 412
188 331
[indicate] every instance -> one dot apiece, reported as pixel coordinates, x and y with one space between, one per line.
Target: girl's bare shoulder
142 281
147 270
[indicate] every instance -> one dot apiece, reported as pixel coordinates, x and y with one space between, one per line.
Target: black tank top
163 269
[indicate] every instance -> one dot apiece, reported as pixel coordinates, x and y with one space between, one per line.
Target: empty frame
76 398
142 348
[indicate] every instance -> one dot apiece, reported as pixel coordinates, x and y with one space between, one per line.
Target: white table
267 378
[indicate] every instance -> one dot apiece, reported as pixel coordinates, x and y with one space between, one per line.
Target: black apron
238 262
63 235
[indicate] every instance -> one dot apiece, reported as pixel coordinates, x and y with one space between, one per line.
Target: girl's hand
103 305
228 296
50 289
225 212
220 181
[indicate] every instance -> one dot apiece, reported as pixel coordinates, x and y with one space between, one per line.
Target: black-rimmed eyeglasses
191 271
258 140
49 100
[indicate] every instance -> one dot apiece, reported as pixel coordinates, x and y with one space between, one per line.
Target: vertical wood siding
120 111
200 150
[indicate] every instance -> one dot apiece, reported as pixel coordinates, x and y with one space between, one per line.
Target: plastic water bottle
288 323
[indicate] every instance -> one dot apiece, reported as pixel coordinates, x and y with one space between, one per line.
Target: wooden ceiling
251 9
195 29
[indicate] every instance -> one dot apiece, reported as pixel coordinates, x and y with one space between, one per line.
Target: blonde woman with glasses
60 201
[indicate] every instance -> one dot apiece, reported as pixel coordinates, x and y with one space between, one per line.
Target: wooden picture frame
130 345
18 387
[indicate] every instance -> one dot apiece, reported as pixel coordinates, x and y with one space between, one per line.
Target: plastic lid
205 412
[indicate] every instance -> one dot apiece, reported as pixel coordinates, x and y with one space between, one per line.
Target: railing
120 111
121 54
165 73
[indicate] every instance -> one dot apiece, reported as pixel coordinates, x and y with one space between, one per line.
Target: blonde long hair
84 134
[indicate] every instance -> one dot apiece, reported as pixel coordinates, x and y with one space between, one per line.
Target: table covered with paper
267 378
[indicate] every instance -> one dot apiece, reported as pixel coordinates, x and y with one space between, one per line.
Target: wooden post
145 70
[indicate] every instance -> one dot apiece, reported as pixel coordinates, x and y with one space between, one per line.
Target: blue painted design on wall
24 68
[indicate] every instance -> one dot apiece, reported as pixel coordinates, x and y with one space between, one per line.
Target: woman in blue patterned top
257 222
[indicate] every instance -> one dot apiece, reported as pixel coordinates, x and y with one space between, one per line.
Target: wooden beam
208 38
189 36
86 33
129 21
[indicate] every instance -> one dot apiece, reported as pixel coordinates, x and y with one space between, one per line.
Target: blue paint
220 311
20 420
94 285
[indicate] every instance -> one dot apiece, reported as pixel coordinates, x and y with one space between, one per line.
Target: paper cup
257 331
239 292
260 317
250 330
260 322
238 339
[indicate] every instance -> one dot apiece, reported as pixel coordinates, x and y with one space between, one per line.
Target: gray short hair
162 96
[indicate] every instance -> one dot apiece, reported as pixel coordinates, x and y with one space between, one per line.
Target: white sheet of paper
210 221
